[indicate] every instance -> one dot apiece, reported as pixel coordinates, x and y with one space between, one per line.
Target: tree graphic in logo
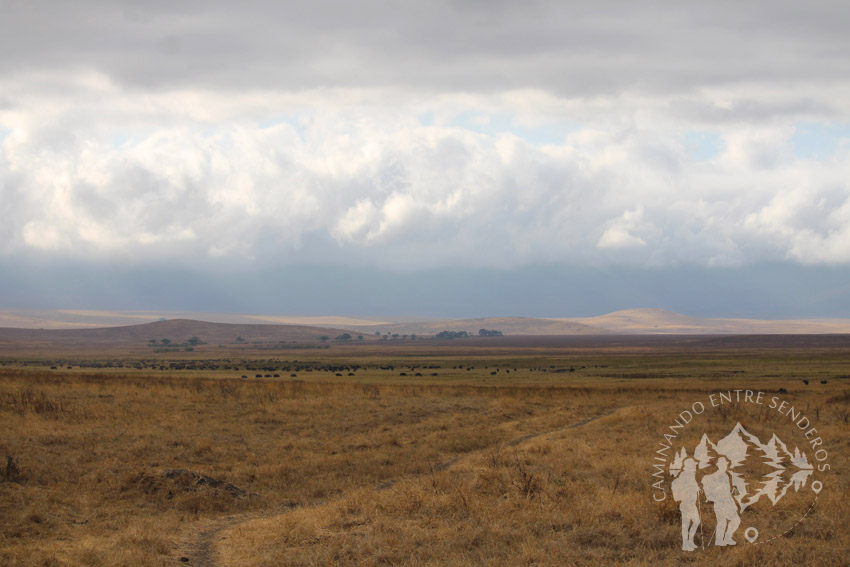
732 475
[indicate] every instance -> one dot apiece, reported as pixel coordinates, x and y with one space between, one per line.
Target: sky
441 158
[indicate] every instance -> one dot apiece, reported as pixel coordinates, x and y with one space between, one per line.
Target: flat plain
491 451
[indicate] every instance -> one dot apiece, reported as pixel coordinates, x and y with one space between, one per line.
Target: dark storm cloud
569 48
764 290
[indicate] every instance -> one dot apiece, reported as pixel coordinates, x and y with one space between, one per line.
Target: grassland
515 454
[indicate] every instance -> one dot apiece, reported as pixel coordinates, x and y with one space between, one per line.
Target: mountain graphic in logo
756 469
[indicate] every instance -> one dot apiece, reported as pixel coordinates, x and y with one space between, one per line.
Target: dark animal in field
823 382
805 382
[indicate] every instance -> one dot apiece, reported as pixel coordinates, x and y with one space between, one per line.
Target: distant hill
297 328
93 319
649 320
508 326
176 330
625 322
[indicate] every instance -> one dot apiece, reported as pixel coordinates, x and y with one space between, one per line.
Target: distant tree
345 337
413 336
152 341
452 335
166 341
324 338
395 336
486 333
359 337
194 341
240 340
377 333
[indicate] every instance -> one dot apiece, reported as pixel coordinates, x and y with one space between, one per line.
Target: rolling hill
93 319
508 326
127 326
176 330
648 320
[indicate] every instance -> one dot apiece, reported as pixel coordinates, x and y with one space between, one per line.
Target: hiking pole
699 512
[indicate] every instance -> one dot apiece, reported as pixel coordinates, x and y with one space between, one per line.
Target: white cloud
514 136
620 232
134 177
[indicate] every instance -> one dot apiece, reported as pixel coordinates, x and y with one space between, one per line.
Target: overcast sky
494 158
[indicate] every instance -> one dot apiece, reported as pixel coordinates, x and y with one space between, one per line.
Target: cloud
619 234
574 49
413 136
141 178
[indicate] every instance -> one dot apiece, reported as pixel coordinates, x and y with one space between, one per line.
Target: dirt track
200 547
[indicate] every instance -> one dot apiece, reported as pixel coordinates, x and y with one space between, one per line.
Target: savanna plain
458 453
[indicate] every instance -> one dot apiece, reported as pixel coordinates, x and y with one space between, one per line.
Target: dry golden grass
141 467
91 452
576 497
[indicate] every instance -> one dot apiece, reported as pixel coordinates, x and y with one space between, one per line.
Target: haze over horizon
41 324
446 159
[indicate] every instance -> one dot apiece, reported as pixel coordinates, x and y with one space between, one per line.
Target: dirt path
200 552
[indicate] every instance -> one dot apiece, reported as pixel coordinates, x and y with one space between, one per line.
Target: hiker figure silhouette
685 491
718 490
